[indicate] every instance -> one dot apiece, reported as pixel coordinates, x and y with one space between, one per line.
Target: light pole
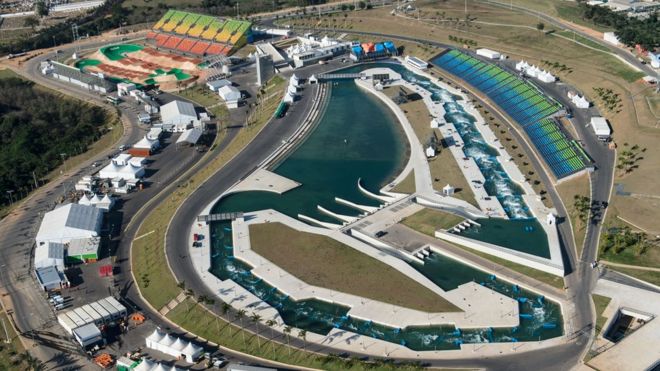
11 200
63 155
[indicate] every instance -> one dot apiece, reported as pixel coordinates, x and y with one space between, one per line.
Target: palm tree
189 294
287 332
256 319
240 314
270 323
303 335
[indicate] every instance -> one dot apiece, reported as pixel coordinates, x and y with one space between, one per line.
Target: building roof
68 222
48 276
229 93
51 250
75 73
147 143
190 136
176 108
83 247
88 331
217 84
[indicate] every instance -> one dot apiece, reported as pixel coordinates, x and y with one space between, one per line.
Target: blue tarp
357 50
380 48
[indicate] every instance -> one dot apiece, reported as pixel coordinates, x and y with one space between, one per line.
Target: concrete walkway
638 267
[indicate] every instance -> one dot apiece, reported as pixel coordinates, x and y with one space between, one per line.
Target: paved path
638 267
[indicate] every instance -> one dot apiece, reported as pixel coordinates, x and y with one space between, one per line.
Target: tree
302 334
240 314
256 319
287 333
31 22
540 26
271 323
41 9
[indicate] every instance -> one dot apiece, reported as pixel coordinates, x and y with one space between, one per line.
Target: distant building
601 128
416 62
179 116
75 76
217 84
490 54
265 68
310 50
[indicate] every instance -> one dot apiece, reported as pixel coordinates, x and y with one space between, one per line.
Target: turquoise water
539 318
525 235
357 138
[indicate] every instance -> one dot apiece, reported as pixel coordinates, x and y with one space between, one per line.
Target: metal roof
74 73
176 108
48 276
88 331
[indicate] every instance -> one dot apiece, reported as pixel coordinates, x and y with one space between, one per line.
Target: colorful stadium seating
162 21
199 48
524 103
213 30
185 45
172 42
186 23
200 26
182 30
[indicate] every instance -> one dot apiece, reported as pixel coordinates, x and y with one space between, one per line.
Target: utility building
179 116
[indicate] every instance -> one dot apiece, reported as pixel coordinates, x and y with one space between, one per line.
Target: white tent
176 347
84 200
230 95
295 81
68 222
178 115
147 143
448 190
147 365
127 172
430 152
50 254
190 136
289 97
580 102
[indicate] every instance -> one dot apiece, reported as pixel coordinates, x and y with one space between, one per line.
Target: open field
198 320
201 95
600 302
321 261
148 254
567 190
444 169
428 221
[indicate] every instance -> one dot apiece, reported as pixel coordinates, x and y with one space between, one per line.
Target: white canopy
190 136
176 347
68 222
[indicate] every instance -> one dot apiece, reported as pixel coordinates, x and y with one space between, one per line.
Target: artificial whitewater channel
359 138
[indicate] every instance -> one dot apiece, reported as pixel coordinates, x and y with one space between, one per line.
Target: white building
179 116
70 222
87 335
174 346
448 190
154 133
124 88
490 54
416 62
230 95
310 50
430 152
50 254
601 128
217 84
124 166
190 136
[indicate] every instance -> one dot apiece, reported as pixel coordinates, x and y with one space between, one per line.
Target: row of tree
38 131
630 31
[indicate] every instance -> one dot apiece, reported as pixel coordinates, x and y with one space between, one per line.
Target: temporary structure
176 347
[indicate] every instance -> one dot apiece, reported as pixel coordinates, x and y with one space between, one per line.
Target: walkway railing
219 217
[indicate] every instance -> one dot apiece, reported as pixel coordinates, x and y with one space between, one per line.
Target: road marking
144 235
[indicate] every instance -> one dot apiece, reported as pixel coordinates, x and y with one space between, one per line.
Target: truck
601 128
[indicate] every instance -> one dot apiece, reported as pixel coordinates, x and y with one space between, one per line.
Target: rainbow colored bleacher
184 32
163 20
185 45
186 24
524 103
200 26
561 154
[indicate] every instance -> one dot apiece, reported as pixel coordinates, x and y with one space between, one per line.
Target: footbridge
219 217
338 76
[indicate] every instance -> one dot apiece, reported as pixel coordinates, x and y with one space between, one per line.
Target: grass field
544 277
601 302
427 221
567 190
201 322
407 185
156 282
200 94
10 353
571 35
307 256
648 276
443 167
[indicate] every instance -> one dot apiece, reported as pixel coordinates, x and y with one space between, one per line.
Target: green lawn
544 277
201 322
583 40
10 353
648 276
306 256
407 185
427 221
200 94
601 303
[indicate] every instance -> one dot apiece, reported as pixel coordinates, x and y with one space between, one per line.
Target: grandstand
524 103
199 34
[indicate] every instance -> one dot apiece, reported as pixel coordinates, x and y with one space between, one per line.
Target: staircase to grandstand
526 104
198 34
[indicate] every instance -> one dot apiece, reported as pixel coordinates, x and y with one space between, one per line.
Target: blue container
380 48
357 50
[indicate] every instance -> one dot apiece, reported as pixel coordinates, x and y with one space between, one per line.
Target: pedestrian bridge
219 217
337 76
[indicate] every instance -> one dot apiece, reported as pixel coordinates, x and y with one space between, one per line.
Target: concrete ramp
344 218
318 222
367 193
367 209
265 181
